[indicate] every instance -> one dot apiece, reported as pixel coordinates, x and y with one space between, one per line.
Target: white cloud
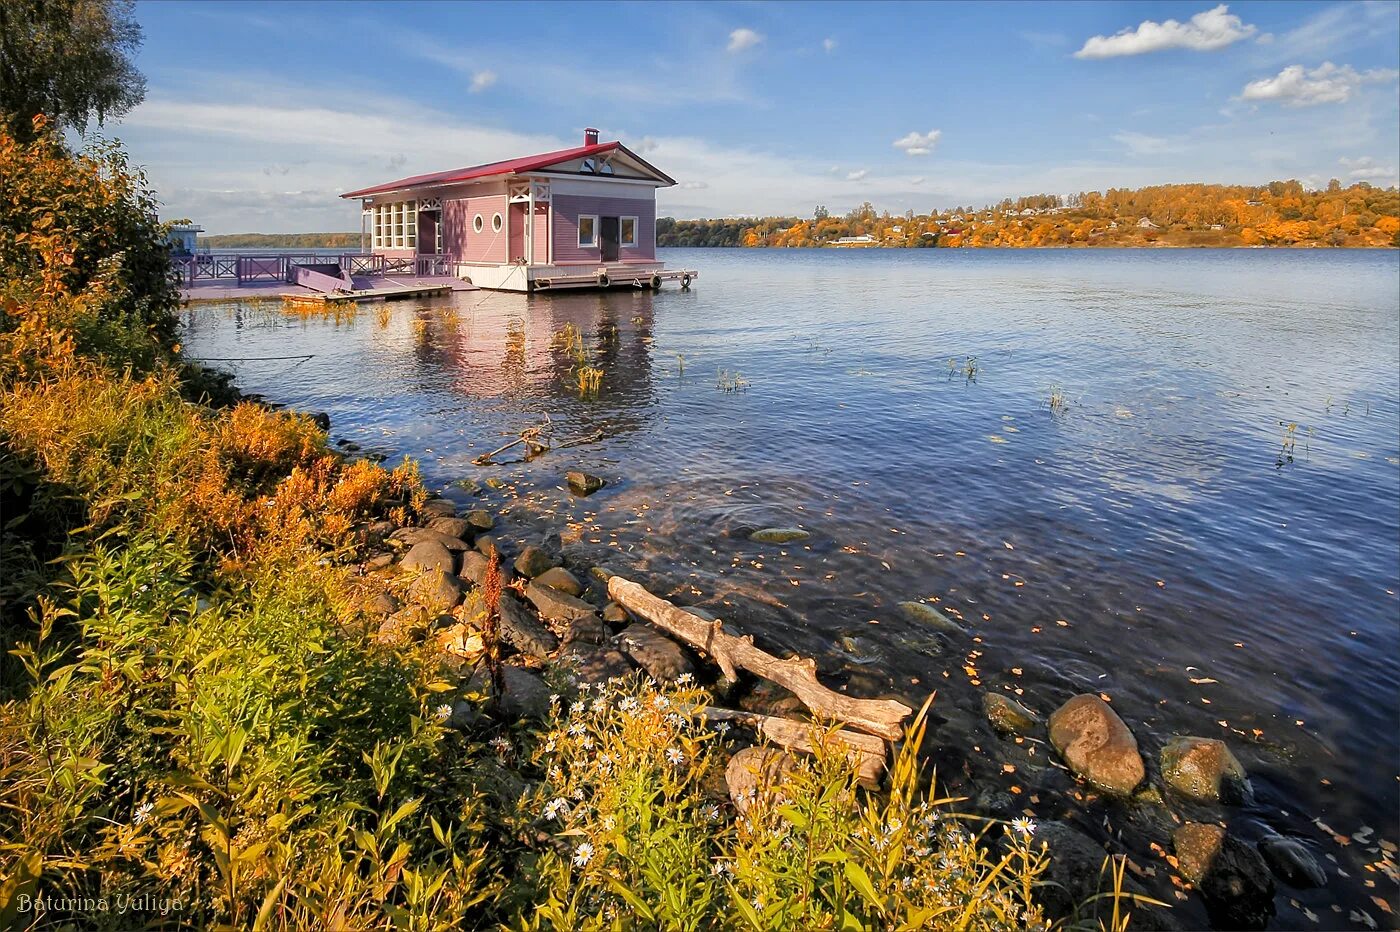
646 145
1325 84
743 38
481 80
919 180
693 186
918 143
1205 32
857 175
1143 144
829 44
1368 169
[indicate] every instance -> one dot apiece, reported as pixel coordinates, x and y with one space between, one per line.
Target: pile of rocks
551 616
1235 879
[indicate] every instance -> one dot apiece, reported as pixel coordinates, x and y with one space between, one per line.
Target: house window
478 224
627 230
496 223
588 230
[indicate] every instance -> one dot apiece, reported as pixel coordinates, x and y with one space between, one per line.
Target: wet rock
459 528
1075 873
779 535
380 561
1291 862
1231 876
701 613
521 630
523 694
554 605
602 572
438 507
922 613
1204 769
437 590
429 555
474 568
591 664
480 520
1008 716
615 614
322 420
768 698
756 770
589 630
487 546
533 561
1197 844
583 484
1097 745
412 536
559 578
662 658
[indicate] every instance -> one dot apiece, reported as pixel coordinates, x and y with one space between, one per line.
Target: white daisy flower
674 756
143 812
1025 826
583 854
556 808
443 712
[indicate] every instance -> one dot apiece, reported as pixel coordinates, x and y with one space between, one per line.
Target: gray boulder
554 605
533 561
459 528
587 630
486 545
615 614
556 577
521 630
438 507
480 520
583 484
412 536
474 567
436 590
592 664
428 555
523 694
1097 745
662 658
754 771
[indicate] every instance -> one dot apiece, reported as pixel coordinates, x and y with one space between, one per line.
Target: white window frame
478 223
591 243
497 222
621 221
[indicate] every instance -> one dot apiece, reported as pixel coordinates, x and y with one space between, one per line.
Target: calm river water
1206 531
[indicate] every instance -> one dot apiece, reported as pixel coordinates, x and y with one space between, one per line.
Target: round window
496 223
478 224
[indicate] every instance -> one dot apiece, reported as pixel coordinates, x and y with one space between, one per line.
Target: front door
607 229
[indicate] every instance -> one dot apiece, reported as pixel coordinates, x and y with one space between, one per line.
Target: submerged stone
1291 862
925 614
480 519
779 535
1008 716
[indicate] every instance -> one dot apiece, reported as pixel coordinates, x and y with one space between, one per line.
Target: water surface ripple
1154 540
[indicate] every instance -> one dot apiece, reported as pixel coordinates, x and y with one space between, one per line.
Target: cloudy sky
258 115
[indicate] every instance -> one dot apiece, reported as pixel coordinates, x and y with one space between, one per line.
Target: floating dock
391 293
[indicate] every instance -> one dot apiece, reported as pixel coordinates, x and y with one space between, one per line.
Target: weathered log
883 717
867 752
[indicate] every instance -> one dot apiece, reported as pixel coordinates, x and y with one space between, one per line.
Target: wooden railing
282 268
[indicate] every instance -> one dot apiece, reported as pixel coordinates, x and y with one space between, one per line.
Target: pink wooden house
577 218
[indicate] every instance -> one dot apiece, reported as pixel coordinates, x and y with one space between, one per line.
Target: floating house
576 218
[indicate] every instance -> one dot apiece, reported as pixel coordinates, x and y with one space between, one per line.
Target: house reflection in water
508 347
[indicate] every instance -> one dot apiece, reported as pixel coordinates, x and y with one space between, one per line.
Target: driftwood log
867 752
883 717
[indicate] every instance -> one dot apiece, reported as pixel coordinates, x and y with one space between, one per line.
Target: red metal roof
529 163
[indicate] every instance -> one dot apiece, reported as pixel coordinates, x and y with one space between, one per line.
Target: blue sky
258 115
